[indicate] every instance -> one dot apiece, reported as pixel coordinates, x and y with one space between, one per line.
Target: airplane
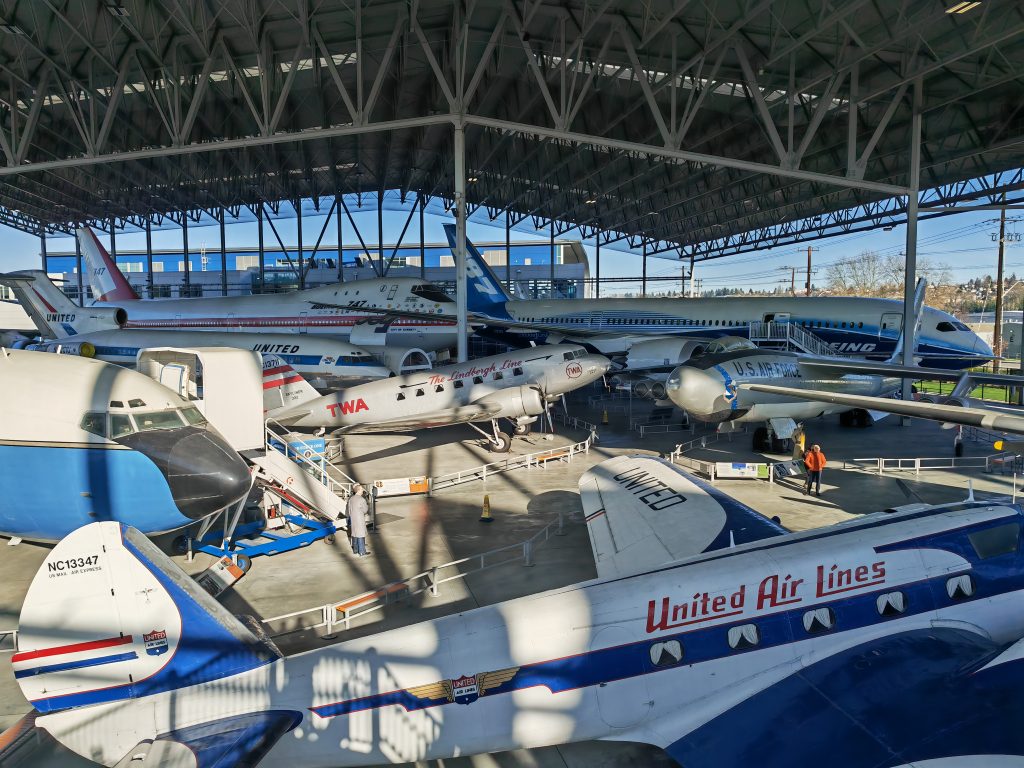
312 311
516 386
83 440
662 333
98 332
890 640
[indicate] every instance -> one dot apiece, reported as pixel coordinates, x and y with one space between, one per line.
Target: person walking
814 460
358 512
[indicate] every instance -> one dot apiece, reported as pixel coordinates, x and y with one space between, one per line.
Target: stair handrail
333 485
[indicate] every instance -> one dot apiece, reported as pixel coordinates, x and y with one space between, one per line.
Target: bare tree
871 274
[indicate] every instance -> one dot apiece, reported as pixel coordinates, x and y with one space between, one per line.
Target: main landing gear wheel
501 443
244 562
782 444
522 429
761 439
180 545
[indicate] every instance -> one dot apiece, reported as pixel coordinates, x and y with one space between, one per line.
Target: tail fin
486 293
283 387
109 617
53 313
108 284
897 352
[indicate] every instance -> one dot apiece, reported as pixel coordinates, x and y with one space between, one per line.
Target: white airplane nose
698 392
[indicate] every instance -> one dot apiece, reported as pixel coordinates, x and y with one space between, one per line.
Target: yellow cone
604 416
485 515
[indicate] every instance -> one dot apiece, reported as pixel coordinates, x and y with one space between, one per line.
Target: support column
149 257
910 269
78 270
43 257
341 249
423 249
597 257
997 330
508 253
184 247
643 267
551 258
461 297
298 228
113 239
380 233
223 258
262 253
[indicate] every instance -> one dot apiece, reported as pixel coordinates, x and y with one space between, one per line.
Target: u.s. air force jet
516 386
894 639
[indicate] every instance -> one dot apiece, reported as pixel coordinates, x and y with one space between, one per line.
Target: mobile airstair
788 336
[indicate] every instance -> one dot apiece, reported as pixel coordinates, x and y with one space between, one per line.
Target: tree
871 274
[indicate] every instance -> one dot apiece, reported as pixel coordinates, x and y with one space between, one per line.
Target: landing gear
858 418
761 443
499 441
522 429
767 441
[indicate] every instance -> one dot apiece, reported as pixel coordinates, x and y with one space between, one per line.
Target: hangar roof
688 127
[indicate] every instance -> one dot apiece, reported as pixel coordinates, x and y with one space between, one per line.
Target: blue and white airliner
894 639
83 440
660 332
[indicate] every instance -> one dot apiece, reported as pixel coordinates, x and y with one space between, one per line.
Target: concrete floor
416 533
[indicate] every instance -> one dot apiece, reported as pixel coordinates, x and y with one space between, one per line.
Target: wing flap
643 512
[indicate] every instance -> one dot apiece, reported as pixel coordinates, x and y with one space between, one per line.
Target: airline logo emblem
59 317
347 407
156 641
574 370
465 689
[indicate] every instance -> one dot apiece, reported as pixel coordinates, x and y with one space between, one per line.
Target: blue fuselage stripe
80 664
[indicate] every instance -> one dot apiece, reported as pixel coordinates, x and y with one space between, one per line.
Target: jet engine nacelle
662 353
520 401
959 402
402 361
76 348
649 389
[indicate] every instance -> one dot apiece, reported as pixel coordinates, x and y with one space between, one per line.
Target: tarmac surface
416 533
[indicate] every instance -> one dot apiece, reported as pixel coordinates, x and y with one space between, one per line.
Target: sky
965 242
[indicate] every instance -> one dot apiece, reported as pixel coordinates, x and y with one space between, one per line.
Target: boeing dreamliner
97 332
82 440
315 310
894 639
652 333
516 386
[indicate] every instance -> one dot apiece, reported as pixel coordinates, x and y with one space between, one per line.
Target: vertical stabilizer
54 314
108 284
486 293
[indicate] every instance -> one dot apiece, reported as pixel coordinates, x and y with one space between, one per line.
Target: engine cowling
959 402
77 348
662 353
516 402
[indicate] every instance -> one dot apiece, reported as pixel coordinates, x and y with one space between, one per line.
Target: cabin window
439 388
498 376
1001 540
860 325
666 654
819 620
517 371
401 396
891 604
744 636
960 587
458 385
120 425
96 423
478 379
419 393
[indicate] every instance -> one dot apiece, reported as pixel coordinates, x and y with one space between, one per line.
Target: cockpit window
136 403
431 293
153 420
574 354
947 326
95 423
993 542
120 425
193 416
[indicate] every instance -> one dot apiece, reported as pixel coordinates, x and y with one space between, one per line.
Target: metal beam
910 269
461 298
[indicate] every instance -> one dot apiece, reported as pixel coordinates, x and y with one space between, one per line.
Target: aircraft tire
503 444
180 545
761 439
244 562
522 429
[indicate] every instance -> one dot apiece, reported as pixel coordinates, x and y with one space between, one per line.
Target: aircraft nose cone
693 390
203 472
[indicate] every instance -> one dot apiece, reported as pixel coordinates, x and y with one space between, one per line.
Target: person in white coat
358 514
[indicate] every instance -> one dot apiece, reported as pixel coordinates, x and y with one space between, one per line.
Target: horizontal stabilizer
643 512
283 387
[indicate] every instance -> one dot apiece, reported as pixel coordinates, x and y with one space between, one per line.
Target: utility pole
997 332
792 282
810 250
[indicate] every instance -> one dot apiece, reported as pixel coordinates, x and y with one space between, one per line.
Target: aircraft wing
840 367
643 512
951 414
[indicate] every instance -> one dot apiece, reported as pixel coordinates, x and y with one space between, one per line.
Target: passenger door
891 321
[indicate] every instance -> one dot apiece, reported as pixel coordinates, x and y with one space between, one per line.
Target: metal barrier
340 614
659 429
539 459
575 422
1004 463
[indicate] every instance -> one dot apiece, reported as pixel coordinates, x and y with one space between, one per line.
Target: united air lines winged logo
465 689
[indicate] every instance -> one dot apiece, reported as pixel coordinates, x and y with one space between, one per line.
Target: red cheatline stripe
74 648
279 369
49 306
281 382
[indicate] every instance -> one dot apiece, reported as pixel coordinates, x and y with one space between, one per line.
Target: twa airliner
315 310
894 639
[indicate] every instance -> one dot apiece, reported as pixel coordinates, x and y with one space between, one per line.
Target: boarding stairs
788 336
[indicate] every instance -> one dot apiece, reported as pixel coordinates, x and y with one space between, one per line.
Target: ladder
788 336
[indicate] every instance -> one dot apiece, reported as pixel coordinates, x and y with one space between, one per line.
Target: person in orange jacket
814 460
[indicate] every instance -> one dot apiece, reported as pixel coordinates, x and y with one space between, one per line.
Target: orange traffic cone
485 515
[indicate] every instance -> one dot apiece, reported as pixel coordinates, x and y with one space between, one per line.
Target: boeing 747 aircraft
892 640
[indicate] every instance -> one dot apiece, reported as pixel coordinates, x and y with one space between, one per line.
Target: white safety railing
339 483
596 400
661 428
538 459
340 614
791 334
979 435
8 640
1004 463
574 422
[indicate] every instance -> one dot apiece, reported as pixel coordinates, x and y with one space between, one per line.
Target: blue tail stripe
80 664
